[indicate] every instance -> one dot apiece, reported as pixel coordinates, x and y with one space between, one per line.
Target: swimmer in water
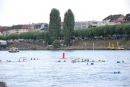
82 60
117 72
92 60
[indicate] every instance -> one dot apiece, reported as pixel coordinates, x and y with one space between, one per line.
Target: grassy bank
77 45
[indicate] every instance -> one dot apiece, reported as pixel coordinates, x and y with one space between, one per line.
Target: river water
48 72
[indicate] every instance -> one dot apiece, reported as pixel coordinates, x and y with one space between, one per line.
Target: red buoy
63 55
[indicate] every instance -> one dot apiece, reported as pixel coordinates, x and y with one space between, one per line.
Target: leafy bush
56 44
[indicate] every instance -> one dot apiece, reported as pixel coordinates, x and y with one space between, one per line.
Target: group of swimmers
101 60
60 61
119 61
21 61
78 60
34 59
85 60
117 72
8 61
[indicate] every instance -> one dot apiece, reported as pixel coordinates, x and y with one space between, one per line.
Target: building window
94 22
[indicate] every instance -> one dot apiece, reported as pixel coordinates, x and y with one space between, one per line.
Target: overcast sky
14 12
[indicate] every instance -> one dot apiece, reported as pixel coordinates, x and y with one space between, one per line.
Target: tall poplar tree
54 24
68 27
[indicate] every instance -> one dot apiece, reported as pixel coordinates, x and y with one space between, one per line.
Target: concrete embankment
76 45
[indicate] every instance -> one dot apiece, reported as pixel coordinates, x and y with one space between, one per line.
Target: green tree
3 37
119 29
112 29
56 44
126 29
61 35
106 30
47 38
54 24
68 27
13 36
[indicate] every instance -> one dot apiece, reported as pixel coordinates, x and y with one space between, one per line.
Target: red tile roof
25 26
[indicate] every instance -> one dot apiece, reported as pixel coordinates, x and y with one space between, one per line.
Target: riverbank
77 45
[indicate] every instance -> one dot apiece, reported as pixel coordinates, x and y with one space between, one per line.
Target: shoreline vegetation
77 45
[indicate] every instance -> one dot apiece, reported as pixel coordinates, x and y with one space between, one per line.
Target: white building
87 24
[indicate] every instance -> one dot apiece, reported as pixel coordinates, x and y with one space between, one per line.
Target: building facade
113 19
87 24
38 27
127 19
4 30
1 30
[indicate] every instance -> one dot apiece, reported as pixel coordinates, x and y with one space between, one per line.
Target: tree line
104 31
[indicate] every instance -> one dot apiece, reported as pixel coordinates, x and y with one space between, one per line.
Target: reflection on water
48 72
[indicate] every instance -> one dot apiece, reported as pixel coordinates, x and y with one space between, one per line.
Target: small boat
120 48
13 50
